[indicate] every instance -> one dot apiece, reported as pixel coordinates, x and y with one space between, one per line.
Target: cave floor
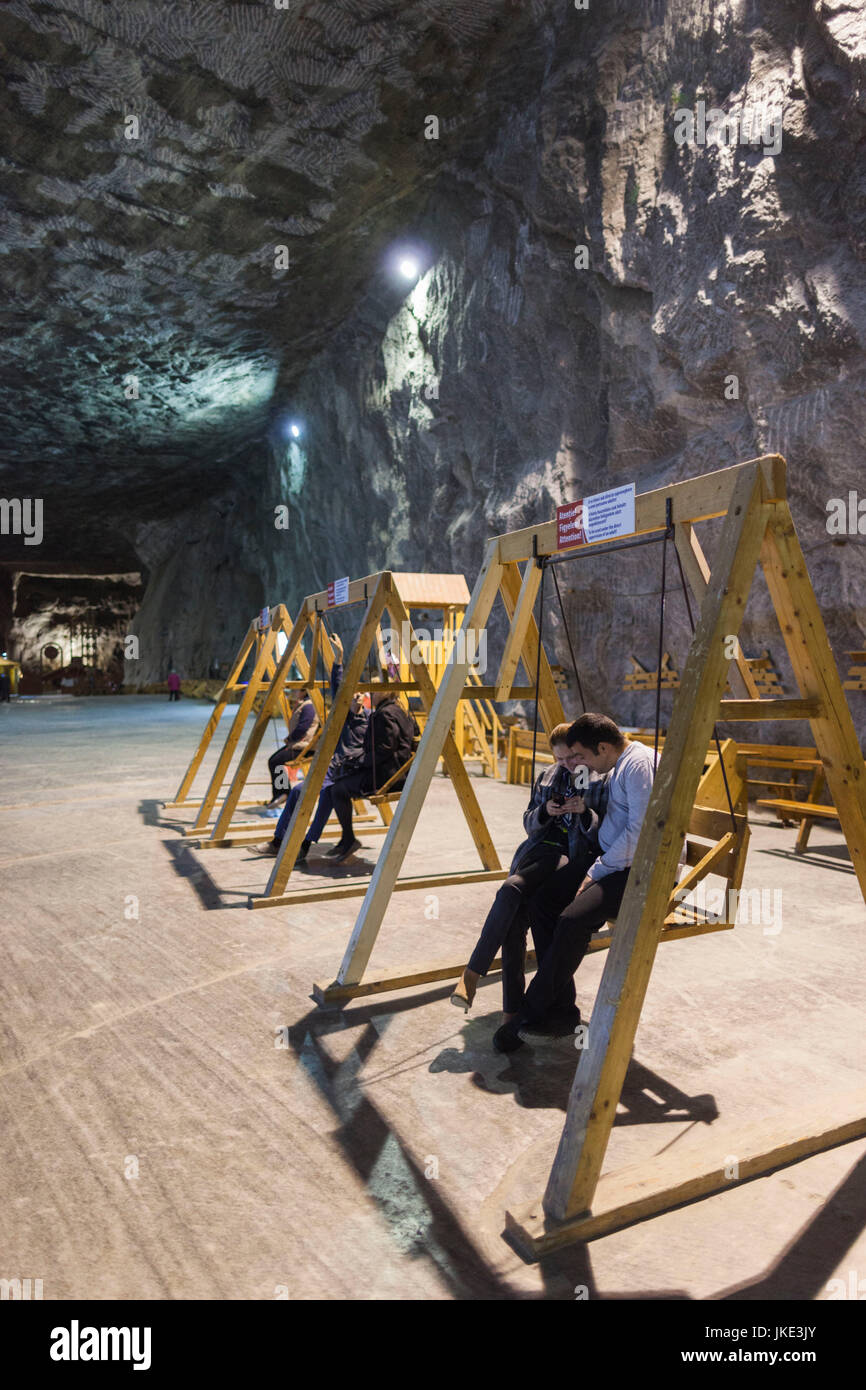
163 1137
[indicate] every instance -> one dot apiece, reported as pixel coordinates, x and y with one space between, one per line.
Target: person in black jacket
561 828
347 756
388 744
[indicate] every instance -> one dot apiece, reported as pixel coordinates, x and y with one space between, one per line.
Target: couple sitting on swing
566 879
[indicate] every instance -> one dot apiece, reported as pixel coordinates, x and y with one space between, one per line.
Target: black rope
537 661
715 727
568 637
660 654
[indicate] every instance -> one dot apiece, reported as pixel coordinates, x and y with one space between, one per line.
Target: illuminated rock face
521 370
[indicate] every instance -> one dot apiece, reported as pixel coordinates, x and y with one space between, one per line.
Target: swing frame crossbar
397 594
757 532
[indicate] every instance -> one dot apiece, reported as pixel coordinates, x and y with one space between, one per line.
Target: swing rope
660 653
715 727
540 562
568 637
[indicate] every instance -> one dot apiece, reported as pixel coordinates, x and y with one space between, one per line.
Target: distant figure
4 686
173 685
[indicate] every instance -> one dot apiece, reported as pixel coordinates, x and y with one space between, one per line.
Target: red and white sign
338 592
603 517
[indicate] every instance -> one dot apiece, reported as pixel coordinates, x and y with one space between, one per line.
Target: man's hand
587 883
338 647
572 805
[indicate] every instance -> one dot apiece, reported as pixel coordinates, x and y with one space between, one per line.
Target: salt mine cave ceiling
147 252
155 156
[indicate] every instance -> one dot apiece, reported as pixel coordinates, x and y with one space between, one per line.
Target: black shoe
341 851
507 1038
558 1024
303 851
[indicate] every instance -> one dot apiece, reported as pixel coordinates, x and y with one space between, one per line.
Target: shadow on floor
186 866
820 858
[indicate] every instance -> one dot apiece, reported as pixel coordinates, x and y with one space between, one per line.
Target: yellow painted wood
516 638
436 731
818 678
599 1079
694 1171
695 499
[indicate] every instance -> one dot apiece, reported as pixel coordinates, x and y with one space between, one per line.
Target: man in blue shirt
597 891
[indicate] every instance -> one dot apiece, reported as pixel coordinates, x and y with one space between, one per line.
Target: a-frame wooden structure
259 642
387 592
758 530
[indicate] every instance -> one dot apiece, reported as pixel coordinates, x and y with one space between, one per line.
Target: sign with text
603 517
265 619
338 592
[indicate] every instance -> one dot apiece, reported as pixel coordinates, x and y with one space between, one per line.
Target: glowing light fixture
408 268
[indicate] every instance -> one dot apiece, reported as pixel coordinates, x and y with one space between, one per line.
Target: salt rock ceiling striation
140 255
511 376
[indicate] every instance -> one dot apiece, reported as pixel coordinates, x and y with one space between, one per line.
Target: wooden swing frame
256 639
397 594
758 531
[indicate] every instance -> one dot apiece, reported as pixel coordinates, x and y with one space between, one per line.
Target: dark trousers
343 790
174 695
275 762
562 934
506 925
320 819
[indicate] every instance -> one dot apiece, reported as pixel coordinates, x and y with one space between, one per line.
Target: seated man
388 744
562 934
347 755
561 826
302 730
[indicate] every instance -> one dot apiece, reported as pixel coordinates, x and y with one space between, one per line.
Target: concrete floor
373 1155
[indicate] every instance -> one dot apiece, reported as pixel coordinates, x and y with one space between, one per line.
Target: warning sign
602 517
338 592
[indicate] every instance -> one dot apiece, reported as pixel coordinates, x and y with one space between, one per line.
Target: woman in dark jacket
560 826
388 744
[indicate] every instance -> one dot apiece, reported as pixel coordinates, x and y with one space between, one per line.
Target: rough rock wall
509 380
552 381
46 607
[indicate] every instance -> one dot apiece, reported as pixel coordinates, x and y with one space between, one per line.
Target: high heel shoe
464 993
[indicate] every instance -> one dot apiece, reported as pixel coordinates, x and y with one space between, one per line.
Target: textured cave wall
46 607
508 380
554 381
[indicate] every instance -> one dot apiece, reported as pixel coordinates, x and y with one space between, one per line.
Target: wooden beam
520 621
424 764
293 652
359 889
452 759
696 568
243 712
549 702
768 709
211 726
818 679
696 499
327 744
694 1171
599 1079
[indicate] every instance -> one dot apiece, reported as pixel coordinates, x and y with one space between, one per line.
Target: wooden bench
519 763
392 790
799 762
